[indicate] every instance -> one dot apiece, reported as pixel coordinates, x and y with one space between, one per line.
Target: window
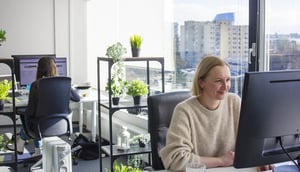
279 35
210 28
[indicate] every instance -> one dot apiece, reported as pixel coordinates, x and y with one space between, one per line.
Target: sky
279 19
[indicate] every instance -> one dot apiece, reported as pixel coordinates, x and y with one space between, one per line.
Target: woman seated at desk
204 127
46 68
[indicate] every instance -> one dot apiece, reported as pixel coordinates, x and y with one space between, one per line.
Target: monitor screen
26 67
61 64
269 126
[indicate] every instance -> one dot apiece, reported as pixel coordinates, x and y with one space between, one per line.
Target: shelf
6 158
105 102
124 105
10 158
134 149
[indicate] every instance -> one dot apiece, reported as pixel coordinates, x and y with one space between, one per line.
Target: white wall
46 27
116 20
82 30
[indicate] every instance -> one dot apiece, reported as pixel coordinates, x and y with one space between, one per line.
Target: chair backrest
53 114
160 111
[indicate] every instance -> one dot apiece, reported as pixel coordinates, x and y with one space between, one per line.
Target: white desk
91 98
224 169
231 169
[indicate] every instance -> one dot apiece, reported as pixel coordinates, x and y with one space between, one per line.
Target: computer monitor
270 114
27 64
61 64
26 67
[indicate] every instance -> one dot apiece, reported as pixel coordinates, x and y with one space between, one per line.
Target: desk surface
224 169
22 101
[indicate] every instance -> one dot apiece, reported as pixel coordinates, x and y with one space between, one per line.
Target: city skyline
276 19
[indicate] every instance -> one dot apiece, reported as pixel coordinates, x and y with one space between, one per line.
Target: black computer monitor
270 113
61 64
26 67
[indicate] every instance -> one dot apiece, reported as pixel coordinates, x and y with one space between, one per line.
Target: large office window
252 35
210 27
278 35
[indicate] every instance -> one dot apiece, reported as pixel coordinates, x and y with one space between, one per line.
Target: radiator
56 156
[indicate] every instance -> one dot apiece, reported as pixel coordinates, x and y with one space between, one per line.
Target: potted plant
3 143
117 81
118 86
2 36
116 51
5 86
135 43
141 139
136 89
119 167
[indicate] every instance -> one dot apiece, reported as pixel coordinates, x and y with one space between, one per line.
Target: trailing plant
119 167
117 81
144 138
5 86
136 41
118 86
116 51
137 88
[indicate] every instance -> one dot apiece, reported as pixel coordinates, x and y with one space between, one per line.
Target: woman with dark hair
46 68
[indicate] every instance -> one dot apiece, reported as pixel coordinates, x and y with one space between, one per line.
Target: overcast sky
282 20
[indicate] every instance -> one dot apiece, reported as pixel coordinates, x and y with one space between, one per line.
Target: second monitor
26 67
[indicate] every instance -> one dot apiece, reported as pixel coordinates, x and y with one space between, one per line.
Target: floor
83 165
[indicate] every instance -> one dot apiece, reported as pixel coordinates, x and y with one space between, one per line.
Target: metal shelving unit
11 113
111 150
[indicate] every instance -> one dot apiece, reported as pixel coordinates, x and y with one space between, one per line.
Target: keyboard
17 94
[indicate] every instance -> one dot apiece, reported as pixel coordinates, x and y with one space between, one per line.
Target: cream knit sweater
196 131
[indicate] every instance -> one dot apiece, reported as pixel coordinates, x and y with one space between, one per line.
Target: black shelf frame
11 113
111 150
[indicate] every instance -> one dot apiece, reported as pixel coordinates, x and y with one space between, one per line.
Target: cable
284 150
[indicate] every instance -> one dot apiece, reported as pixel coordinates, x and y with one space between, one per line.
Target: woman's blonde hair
206 64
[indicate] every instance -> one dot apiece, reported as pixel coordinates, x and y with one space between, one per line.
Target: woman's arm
74 95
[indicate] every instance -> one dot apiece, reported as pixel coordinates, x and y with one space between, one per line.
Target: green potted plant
2 36
135 43
117 81
119 167
116 51
136 89
5 86
141 139
118 86
3 143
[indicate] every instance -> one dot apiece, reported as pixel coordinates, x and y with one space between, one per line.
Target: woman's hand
221 161
227 159
265 167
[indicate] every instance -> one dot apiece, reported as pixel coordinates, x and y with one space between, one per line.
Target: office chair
53 115
160 111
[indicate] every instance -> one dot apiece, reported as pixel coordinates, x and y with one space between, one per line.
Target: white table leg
80 116
93 121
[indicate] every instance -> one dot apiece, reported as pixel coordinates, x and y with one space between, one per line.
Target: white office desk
22 101
91 98
224 169
231 169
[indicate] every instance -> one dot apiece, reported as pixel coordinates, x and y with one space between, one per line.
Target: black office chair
160 111
54 117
